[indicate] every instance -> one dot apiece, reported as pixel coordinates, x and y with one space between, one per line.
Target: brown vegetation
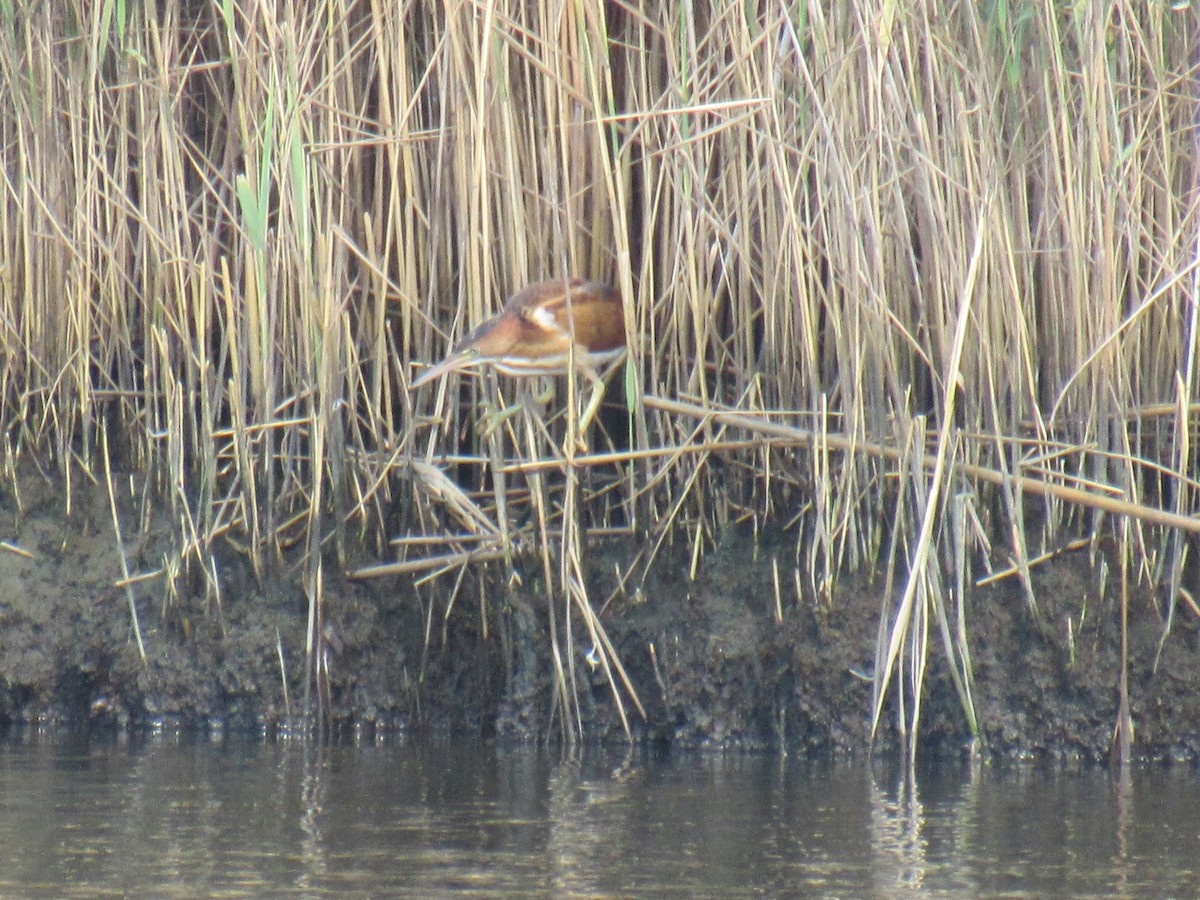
923 286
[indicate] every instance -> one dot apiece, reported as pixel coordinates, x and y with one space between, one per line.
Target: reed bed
921 278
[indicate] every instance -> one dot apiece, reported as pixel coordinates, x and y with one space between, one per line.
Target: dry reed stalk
1100 497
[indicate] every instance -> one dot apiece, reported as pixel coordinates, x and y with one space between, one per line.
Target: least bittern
541 330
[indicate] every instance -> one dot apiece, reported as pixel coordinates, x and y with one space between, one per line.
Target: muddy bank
716 661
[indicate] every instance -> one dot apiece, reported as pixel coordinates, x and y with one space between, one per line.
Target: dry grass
927 248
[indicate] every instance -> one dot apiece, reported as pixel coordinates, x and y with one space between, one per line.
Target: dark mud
716 661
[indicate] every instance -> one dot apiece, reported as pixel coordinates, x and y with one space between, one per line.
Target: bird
541 330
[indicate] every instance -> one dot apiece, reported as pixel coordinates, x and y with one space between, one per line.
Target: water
176 818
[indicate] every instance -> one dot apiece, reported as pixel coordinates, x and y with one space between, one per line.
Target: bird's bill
455 362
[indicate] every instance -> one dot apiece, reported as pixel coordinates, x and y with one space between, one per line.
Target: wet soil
734 657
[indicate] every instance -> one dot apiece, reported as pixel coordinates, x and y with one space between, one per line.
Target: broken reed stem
443 563
624 456
1011 571
801 437
116 520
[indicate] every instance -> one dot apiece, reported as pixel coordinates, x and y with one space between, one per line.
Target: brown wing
594 310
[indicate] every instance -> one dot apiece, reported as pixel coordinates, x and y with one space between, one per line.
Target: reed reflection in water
173 817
